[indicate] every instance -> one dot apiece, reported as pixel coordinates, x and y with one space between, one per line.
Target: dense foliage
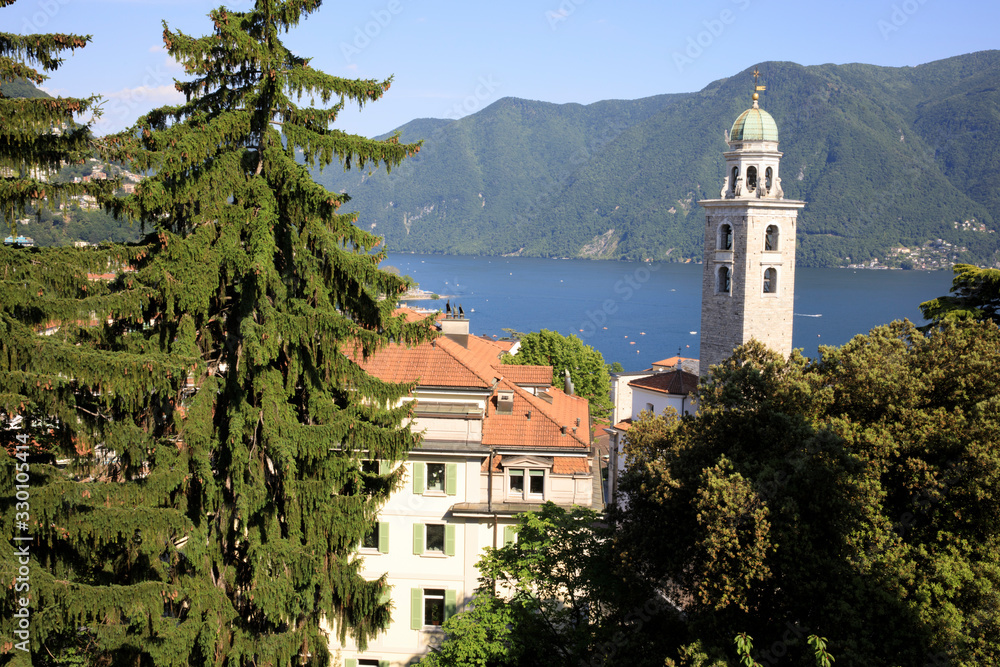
556 596
590 376
884 156
975 294
856 497
194 426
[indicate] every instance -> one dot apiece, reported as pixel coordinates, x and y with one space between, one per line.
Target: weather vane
756 80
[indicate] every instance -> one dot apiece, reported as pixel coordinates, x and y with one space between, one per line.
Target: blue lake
637 313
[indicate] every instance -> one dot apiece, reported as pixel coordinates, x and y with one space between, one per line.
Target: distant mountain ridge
886 158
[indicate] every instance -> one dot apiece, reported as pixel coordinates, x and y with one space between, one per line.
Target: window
768 177
433 539
725 279
771 237
726 237
517 481
435 477
377 538
770 281
371 539
534 485
649 407
433 606
751 178
365 662
536 482
736 174
430 607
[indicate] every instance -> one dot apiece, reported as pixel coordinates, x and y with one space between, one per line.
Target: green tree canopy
856 497
205 395
557 596
585 364
975 294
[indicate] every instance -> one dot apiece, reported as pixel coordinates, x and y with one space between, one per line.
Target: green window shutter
450 603
383 537
416 608
449 540
509 534
350 662
383 663
386 595
384 468
418 538
451 479
418 477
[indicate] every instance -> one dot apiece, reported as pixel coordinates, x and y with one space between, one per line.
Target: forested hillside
885 157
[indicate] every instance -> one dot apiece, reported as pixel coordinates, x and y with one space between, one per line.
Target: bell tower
748 281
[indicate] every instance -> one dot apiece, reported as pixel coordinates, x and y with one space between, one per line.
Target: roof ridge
458 358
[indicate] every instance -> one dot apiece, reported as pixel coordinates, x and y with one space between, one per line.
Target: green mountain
884 156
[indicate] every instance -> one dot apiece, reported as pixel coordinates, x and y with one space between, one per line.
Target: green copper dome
754 125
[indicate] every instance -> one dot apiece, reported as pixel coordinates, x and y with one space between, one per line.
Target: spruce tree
207 394
39 135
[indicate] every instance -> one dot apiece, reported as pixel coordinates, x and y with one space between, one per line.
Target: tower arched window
725 237
770 281
768 178
771 237
725 280
751 178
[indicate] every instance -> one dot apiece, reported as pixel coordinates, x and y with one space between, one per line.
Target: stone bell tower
748 283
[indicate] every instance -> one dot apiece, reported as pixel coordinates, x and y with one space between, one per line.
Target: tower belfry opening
748 279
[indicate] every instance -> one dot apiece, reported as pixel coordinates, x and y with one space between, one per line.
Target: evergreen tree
975 294
38 135
206 394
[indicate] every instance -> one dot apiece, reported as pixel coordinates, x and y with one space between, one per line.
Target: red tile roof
526 375
447 363
567 465
544 427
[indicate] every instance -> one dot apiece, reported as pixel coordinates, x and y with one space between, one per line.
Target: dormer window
526 484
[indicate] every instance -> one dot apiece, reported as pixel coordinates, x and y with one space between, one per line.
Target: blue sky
450 59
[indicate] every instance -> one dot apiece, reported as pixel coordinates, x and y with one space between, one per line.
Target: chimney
457 329
505 402
569 382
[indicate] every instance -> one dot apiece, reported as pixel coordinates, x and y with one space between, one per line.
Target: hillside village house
498 440
667 384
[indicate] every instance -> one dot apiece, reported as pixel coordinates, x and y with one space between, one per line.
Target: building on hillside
654 390
748 278
497 440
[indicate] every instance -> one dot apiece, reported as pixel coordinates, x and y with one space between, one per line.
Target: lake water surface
637 313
